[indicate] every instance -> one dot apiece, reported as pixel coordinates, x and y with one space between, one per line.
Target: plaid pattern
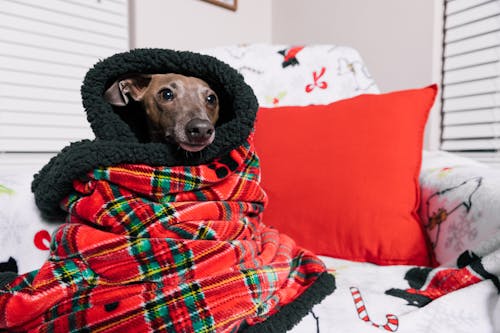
162 249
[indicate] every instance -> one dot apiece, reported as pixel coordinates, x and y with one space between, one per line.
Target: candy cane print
392 320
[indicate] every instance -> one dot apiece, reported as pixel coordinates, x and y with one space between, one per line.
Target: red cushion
342 178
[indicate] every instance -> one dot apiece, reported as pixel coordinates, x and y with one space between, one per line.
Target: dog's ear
134 86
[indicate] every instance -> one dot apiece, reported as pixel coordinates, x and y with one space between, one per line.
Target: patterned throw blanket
157 239
166 249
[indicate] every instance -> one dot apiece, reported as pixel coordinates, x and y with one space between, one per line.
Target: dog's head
179 108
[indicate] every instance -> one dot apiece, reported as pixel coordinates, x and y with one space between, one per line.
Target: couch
411 236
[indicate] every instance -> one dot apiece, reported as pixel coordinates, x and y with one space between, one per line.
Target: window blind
471 79
46 48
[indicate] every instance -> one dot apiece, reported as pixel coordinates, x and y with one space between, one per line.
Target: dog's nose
199 130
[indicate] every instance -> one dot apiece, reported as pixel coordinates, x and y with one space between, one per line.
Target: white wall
393 36
195 24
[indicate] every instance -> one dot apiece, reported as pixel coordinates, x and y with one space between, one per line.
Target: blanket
409 299
174 249
160 240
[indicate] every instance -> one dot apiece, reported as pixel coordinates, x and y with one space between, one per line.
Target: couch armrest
460 205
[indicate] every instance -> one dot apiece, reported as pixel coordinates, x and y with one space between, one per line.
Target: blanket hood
120 132
237 110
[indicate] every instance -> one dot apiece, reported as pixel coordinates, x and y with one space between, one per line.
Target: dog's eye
211 99
167 94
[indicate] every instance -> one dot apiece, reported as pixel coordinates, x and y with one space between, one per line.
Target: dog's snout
199 130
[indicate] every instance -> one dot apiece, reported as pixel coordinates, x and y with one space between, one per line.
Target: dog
179 109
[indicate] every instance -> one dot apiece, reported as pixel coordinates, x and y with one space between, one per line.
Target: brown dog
180 109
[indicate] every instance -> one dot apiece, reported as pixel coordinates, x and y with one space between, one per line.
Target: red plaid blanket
163 249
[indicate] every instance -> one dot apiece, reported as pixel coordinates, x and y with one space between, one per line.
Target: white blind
46 48
471 79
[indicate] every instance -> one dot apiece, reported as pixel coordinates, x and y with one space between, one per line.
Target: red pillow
342 178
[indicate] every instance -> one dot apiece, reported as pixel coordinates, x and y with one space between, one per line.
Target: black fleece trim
291 314
116 140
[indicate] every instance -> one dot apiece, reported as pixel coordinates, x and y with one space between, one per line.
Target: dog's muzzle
199 133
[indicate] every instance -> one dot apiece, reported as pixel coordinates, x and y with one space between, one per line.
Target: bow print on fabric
317 82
